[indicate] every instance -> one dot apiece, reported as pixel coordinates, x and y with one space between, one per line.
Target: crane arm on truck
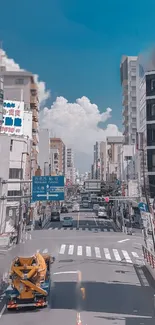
30 281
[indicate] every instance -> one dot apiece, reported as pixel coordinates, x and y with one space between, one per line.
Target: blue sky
76 46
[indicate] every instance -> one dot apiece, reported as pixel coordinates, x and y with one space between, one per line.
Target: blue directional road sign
47 188
143 207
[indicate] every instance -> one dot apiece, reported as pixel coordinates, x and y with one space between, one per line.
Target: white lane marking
45 251
95 221
126 256
78 219
107 253
122 241
30 236
88 251
97 252
62 249
79 250
2 311
66 272
116 254
71 250
135 254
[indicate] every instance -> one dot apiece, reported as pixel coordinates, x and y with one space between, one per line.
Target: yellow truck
30 281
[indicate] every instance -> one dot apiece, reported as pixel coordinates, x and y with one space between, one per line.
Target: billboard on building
13 117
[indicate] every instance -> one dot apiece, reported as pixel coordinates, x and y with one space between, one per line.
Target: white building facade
128 82
71 171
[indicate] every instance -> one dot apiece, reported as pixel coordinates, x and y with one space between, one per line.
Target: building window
151 135
150 85
150 109
151 160
13 193
153 84
11 145
15 173
19 81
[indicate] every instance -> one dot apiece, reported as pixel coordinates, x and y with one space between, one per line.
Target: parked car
67 222
64 209
55 215
102 213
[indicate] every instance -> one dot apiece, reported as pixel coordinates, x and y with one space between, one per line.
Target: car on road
76 208
55 215
64 209
67 222
102 213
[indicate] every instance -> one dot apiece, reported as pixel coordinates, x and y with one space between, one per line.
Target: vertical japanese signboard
13 117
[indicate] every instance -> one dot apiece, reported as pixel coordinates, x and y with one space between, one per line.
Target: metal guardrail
149 257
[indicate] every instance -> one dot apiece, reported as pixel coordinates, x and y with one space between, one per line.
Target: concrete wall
15 91
4 174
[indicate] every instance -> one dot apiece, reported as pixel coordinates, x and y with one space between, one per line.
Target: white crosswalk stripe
79 250
107 253
126 256
71 250
88 251
116 255
62 249
97 252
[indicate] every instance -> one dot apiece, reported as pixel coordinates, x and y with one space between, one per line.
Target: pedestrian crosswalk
91 229
98 253
112 254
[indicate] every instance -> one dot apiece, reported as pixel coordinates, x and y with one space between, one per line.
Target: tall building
97 160
103 160
146 129
20 86
57 143
71 172
44 151
128 82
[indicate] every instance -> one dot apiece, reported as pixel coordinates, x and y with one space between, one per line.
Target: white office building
71 171
16 132
128 82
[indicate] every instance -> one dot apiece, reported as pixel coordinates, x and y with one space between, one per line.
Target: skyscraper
128 82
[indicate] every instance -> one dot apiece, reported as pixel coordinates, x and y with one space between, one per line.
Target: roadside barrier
149 257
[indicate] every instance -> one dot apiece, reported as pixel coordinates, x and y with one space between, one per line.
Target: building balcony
34 126
34 101
125 111
125 121
125 101
125 82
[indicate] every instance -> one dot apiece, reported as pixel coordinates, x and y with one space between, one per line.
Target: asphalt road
108 264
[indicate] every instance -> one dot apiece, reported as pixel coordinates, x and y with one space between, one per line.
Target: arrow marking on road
122 241
47 195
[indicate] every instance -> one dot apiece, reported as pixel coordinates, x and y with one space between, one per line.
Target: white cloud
77 123
11 65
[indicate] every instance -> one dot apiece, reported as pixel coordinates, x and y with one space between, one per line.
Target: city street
109 265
